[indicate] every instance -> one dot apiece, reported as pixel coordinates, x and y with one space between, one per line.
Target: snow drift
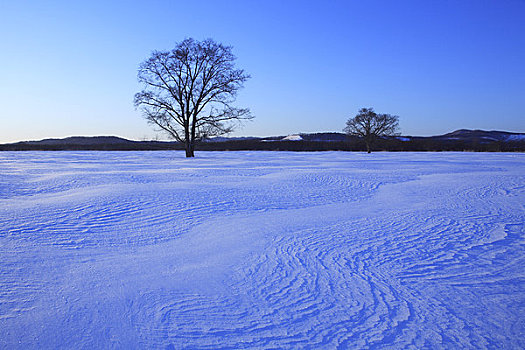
262 250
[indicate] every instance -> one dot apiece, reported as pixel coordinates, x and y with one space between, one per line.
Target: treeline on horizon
351 144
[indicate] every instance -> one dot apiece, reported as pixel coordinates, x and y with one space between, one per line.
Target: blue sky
69 67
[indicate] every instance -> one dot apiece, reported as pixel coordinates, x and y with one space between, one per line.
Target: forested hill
459 140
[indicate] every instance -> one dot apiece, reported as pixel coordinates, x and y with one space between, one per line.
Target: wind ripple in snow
263 250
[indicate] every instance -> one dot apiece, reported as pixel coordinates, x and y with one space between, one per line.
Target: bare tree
369 125
188 91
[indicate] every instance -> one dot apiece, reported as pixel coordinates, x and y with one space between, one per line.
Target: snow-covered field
262 250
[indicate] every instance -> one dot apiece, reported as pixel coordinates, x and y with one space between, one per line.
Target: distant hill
82 140
459 140
95 143
482 135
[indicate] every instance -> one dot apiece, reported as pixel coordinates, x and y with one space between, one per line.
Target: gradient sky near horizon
69 67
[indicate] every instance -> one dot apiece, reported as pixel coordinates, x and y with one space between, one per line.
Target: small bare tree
188 91
369 125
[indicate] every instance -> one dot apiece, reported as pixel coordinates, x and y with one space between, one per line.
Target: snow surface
516 137
292 138
262 250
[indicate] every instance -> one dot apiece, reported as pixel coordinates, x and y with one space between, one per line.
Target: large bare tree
369 125
188 91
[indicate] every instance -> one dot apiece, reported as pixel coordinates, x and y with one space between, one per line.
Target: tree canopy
370 125
189 91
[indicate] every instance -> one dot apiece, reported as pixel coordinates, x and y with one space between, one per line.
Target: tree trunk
192 134
188 145
190 150
368 140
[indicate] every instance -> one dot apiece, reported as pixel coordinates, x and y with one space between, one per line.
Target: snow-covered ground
292 138
262 250
516 137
